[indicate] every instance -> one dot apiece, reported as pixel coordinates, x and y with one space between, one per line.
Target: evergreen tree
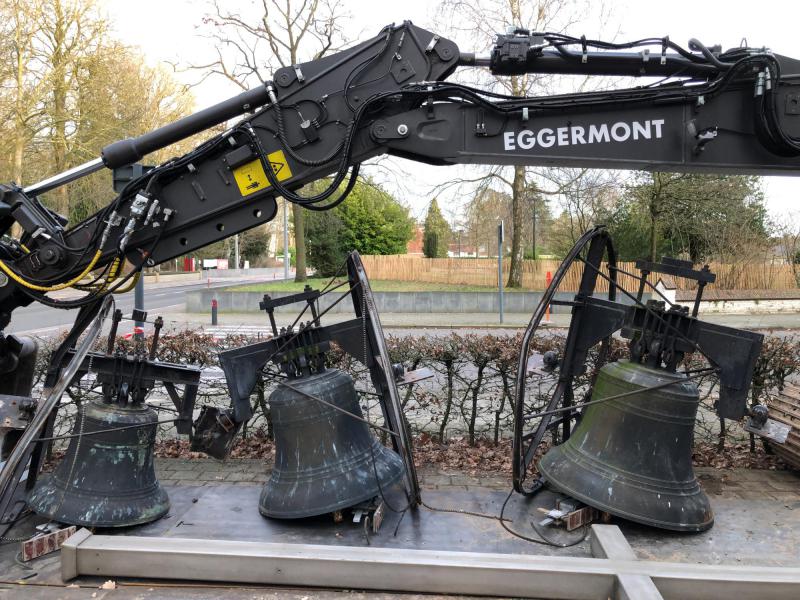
325 242
436 233
370 221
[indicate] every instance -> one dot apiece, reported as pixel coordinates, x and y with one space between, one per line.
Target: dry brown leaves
483 459
735 456
457 455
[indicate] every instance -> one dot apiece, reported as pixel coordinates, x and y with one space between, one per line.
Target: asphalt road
37 319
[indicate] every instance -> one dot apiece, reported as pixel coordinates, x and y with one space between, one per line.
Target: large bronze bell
632 457
107 479
325 460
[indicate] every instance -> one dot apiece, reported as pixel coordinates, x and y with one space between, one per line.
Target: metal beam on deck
406 570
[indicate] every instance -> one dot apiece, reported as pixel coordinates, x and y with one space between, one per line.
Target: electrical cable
100 431
574 407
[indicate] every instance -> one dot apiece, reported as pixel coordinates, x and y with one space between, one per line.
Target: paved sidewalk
248 322
742 484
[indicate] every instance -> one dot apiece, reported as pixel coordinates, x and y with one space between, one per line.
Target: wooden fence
483 272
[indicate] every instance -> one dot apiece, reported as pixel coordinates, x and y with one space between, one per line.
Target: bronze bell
632 457
325 460
107 479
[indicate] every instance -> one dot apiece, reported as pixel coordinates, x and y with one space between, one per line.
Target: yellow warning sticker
251 178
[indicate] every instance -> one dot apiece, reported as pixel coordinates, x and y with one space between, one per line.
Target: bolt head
402 129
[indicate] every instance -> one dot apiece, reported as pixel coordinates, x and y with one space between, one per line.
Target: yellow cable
25 248
128 287
53 288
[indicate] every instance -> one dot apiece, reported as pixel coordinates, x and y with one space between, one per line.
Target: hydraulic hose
51 288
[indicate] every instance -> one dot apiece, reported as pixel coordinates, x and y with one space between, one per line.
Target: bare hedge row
472 393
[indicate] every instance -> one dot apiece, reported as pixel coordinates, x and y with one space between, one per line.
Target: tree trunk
533 229
517 225
60 83
449 401
299 242
19 120
653 238
19 153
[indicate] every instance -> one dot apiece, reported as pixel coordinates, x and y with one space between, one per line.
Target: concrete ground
741 484
757 523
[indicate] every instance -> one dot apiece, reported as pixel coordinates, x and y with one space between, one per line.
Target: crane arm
732 112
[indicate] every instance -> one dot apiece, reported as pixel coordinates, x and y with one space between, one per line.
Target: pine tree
436 234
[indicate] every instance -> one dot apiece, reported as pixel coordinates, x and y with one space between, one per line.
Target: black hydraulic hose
695 44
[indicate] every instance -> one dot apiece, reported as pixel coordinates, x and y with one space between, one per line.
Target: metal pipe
500 266
470 59
67 176
138 304
630 64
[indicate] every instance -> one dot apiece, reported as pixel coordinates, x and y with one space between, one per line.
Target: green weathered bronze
632 457
325 460
107 479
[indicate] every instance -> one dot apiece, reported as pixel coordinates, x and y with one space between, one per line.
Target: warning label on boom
251 177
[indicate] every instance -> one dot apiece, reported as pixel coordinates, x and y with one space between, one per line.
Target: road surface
41 320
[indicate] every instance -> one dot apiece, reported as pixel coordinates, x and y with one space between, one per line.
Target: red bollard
548 279
214 311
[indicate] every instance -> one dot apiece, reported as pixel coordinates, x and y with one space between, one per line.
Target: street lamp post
500 266
285 239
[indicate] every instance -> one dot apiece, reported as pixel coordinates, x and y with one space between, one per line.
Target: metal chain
82 411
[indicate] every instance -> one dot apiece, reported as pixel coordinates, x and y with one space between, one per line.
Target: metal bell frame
301 345
116 433
658 336
595 244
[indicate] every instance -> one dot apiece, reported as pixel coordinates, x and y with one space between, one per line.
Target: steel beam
608 542
504 575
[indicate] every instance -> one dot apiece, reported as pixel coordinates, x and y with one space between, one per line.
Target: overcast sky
166 31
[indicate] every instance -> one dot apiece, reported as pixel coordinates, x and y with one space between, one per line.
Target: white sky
166 31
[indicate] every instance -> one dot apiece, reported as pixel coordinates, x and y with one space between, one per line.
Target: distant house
665 286
461 250
414 246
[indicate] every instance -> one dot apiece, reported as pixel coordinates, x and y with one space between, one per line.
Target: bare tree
25 85
480 21
68 89
788 236
584 196
69 30
250 46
